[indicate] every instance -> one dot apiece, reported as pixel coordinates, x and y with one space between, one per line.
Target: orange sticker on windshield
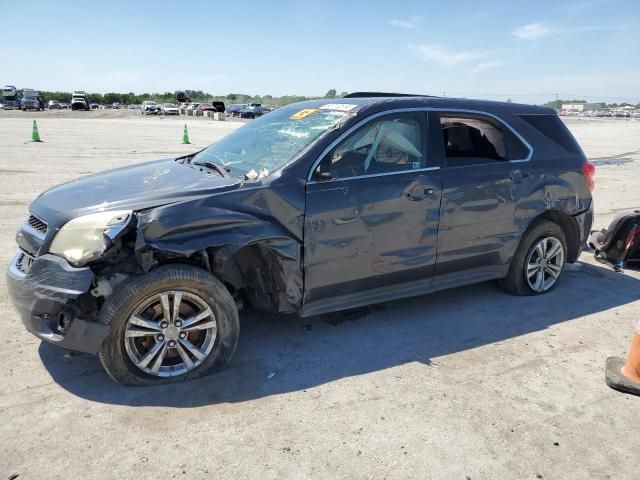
303 113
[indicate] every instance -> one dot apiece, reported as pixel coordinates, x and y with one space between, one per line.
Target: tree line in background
200 96
170 97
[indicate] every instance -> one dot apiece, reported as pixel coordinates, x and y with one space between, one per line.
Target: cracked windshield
266 144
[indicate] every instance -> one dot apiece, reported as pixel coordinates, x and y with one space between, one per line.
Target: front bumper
45 291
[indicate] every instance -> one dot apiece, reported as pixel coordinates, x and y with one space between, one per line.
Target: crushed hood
135 187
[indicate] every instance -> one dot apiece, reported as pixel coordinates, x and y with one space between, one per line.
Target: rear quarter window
555 130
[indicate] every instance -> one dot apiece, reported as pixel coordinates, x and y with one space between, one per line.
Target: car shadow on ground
279 354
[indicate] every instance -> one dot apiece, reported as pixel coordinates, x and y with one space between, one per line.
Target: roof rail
382 94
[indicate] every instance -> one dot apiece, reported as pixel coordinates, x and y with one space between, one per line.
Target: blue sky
527 50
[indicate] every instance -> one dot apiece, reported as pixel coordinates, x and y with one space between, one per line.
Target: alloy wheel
170 333
544 264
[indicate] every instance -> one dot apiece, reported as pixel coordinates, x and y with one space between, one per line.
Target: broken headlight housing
86 238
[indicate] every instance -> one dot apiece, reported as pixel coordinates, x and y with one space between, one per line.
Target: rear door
372 212
484 165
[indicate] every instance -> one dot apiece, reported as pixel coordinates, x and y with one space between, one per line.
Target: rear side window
469 140
554 129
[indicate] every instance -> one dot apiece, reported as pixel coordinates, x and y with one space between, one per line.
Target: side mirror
323 172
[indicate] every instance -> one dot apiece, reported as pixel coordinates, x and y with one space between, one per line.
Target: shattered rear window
269 142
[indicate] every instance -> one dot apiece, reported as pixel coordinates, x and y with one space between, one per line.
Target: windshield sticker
303 113
342 107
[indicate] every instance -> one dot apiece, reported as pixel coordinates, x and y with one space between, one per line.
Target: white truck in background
79 100
10 97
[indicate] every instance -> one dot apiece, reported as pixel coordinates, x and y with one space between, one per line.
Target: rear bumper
45 296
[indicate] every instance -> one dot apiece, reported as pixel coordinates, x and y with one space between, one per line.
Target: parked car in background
192 106
170 109
232 109
205 107
54 105
320 206
211 107
256 108
94 106
31 101
64 105
116 106
149 107
245 113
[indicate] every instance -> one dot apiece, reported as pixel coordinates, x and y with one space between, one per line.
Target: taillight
589 171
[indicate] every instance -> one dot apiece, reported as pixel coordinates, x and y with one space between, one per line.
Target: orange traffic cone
625 376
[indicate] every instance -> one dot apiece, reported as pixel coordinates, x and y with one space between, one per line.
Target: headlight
86 238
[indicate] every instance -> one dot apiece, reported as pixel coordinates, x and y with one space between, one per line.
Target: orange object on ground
631 368
625 376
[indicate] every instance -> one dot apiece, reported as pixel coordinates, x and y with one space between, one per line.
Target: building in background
581 107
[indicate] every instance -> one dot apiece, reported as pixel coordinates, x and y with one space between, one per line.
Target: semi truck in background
79 100
182 99
10 97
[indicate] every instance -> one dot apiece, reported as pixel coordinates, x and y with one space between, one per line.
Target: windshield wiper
214 166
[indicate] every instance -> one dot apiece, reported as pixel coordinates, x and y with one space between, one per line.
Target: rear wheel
538 262
175 323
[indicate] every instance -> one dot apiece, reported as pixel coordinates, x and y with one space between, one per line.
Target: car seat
620 243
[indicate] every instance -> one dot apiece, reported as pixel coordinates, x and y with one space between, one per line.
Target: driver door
372 212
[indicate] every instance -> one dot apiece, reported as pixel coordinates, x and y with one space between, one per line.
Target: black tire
128 296
515 282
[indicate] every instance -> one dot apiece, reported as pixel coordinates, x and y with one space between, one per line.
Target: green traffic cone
35 135
185 135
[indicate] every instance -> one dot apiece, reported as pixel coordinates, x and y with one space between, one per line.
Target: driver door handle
518 175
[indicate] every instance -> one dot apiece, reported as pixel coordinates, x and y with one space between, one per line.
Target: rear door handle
419 193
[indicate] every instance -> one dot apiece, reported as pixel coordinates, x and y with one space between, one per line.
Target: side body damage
254 246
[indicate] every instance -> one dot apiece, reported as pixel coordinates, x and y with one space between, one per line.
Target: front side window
469 140
390 144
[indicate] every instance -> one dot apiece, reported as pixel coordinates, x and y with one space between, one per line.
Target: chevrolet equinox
319 206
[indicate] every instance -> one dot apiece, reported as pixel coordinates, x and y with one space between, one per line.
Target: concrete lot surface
468 383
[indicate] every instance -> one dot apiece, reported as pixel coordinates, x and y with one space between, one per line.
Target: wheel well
260 272
200 260
265 277
570 228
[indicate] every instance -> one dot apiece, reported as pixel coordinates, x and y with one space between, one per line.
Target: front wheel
175 323
538 262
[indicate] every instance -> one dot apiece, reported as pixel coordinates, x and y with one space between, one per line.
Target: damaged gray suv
316 207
